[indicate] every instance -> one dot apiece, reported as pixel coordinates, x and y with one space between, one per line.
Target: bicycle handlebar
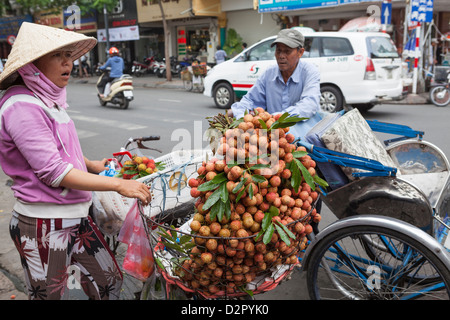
148 138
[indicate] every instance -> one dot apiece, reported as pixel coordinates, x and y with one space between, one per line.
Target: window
262 52
311 48
336 47
381 47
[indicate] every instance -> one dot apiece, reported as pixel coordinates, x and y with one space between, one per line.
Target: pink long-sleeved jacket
38 147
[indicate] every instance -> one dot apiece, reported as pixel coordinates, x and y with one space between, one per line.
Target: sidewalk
146 81
11 272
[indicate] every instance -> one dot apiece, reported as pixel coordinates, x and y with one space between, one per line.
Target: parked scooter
175 67
138 69
119 91
440 92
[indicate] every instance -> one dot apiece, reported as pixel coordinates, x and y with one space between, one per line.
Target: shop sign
123 15
149 10
287 5
49 18
10 25
85 23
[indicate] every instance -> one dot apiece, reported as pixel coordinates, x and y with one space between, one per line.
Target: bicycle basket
199 70
168 187
233 270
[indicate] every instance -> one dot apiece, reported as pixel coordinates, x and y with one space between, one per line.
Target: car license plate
128 94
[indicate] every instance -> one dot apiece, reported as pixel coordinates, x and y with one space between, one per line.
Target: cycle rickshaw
390 241
391 237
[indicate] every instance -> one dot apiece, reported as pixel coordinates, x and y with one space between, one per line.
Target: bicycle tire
392 282
440 101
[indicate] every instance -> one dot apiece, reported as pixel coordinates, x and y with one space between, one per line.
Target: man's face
287 57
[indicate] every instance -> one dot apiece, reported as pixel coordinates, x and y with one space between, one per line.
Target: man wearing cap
291 86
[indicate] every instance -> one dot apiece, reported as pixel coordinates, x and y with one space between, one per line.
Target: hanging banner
119 34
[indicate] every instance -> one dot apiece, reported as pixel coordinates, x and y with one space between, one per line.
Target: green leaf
239 185
214 183
240 195
320 181
273 211
306 175
296 178
227 209
232 164
173 246
299 154
263 124
217 210
185 239
223 192
212 199
259 166
250 191
267 220
160 165
283 235
268 234
130 172
258 178
289 232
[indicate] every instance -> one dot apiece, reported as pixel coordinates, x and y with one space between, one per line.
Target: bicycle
440 90
193 76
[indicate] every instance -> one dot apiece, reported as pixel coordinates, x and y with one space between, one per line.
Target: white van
361 69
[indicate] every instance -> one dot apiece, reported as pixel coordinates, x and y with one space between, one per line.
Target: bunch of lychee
263 211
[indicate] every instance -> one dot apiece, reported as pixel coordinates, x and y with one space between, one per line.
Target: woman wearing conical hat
53 181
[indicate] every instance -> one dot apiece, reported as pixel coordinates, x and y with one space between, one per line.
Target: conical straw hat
34 41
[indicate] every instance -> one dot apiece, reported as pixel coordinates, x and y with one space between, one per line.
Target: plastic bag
138 261
154 288
107 221
113 168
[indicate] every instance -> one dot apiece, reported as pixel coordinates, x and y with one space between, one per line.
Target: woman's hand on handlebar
135 189
96 166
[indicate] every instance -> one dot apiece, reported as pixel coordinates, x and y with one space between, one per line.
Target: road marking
83 134
112 123
169 100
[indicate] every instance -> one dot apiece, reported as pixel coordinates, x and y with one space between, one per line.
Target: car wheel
331 99
364 106
224 95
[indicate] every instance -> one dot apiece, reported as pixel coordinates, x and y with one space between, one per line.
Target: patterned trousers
60 254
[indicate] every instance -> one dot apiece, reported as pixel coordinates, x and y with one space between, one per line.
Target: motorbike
138 69
118 92
440 92
175 67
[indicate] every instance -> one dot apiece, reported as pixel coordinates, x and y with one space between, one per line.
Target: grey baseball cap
290 37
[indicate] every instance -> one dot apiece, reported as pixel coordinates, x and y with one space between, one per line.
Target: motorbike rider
116 63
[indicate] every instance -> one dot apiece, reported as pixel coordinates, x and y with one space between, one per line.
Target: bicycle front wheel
341 268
